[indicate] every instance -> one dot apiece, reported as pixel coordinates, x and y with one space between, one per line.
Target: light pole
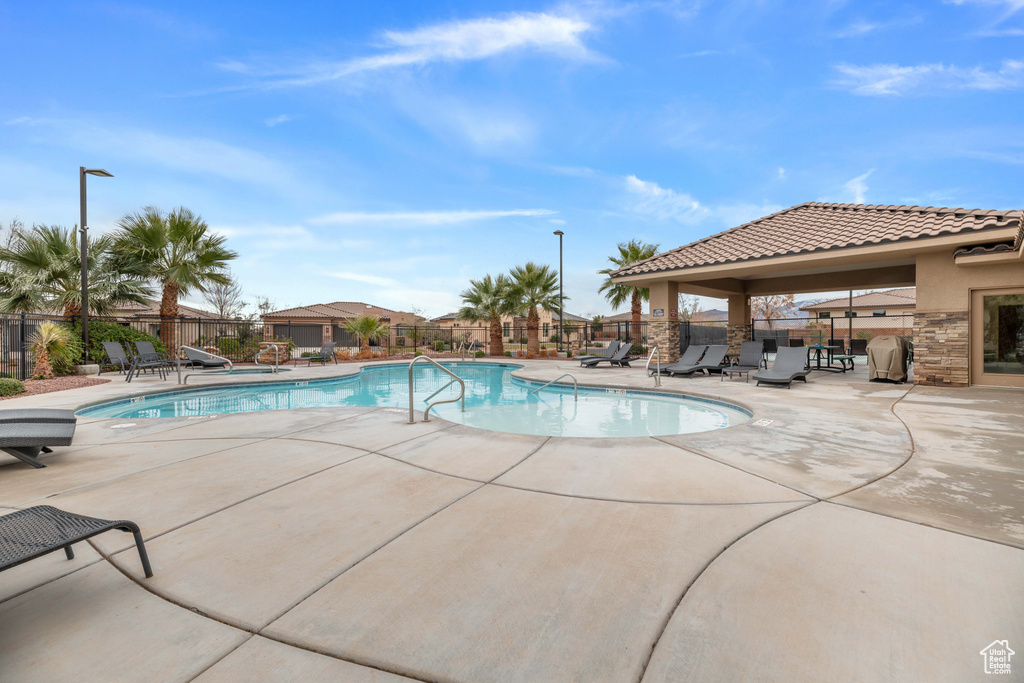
561 292
82 172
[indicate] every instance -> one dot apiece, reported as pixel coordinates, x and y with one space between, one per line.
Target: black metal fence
805 332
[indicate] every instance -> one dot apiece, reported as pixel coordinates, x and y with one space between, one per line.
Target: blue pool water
494 400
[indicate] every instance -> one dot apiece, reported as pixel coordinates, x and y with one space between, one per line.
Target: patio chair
691 356
157 363
25 433
202 359
148 353
796 343
790 364
713 358
40 530
115 356
613 346
858 347
620 358
750 359
771 345
326 353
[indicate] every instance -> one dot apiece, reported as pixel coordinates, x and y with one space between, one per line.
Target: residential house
311 326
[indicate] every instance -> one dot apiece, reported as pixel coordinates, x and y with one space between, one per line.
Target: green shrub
553 339
508 353
5 375
438 346
11 387
418 353
229 346
479 354
863 334
101 331
306 354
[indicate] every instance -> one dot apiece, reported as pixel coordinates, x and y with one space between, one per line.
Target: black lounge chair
790 363
691 356
771 345
751 353
40 530
620 358
25 433
202 359
613 346
116 356
326 353
712 359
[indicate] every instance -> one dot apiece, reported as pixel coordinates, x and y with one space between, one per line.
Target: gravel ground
45 386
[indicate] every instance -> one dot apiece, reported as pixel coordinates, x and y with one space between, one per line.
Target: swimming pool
494 400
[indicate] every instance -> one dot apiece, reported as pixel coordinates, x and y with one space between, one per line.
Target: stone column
738 329
663 330
941 348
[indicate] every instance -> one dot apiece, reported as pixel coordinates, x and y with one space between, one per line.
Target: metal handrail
450 382
426 412
277 356
461 350
231 366
647 367
575 386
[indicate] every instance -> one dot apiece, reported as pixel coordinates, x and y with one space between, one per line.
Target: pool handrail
277 356
647 367
231 366
426 412
575 386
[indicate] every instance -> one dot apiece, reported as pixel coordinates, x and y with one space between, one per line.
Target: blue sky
390 151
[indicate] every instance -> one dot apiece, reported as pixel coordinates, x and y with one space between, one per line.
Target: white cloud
1009 7
375 280
781 173
857 188
418 218
649 198
20 121
454 41
893 79
279 119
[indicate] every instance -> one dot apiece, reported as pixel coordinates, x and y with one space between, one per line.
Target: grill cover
887 359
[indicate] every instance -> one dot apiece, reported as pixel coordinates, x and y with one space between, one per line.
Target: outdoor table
818 348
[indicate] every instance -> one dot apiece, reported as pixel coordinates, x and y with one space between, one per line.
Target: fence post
415 338
24 351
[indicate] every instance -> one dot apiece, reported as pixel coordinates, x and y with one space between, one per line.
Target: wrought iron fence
850 332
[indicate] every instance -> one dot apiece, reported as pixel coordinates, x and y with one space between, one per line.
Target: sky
389 152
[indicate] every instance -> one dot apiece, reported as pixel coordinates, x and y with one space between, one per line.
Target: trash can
887 359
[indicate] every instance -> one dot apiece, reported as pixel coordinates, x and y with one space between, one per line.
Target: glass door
997 337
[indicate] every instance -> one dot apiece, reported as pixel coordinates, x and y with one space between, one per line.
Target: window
846 314
878 314
824 314
506 329
1003 330
545 330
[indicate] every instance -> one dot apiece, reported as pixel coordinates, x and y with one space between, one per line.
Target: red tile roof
335 311
152 309
893 298
816 227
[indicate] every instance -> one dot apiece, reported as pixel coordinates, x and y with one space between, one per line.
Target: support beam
663 329
893 276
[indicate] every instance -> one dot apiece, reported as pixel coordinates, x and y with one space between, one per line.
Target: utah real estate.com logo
997 657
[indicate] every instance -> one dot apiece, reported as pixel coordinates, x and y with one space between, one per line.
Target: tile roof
336 310
817 227
893 298
152 309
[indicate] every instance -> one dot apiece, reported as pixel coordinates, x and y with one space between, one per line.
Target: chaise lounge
27 432
712 359
790 364
116 356
620 358
326 353
613 346
751 353
202 359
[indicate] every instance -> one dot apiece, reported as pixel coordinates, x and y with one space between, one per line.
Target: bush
508 353
479 354
438 346
56 348
229 346
306 354
342 354
553 339
101 331
863 334
11 387
417 353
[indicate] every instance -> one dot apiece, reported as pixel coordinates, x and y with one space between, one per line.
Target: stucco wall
944 286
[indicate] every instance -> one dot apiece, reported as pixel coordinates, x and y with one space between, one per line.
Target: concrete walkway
860 532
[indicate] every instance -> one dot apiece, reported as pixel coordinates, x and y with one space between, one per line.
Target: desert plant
534 286
342 354
368 328
11 387
56 349
617 294
486 301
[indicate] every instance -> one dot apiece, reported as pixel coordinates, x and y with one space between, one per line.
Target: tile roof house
967 266
341 310
889 302
310 326
152 310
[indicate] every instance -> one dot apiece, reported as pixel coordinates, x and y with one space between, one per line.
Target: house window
506 329
846 314
878 314
546 329
825 314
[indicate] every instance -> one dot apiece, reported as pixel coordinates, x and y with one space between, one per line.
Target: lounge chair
790 363
750 359
326 353
691 356
40 530
771 345
25 433
148 353
613 346
620 358
116 356
202 359
712 359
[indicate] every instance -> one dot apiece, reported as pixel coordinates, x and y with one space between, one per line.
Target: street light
82 172
561 291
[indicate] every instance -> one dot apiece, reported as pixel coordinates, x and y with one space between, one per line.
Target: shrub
479 354
568 353
553 339
863 334
229 346
529 356
438 346
343 354
56 349
11 387
305 354
101 331
417 353
508 353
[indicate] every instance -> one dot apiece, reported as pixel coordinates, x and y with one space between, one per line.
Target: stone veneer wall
735 335
665 335
941 349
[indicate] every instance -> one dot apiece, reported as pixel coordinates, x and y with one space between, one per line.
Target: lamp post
561 292
82 172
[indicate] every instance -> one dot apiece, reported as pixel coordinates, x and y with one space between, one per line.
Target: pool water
494 400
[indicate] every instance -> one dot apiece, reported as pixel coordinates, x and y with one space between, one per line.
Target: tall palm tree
176 250
367 328
41 271
617 294
534 286
487 300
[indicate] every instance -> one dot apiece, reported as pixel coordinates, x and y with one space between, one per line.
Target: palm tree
176 250
368 328
487 300
617 294
55 347
41 271
534 286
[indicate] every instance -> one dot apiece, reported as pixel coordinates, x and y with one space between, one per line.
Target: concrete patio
867 532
